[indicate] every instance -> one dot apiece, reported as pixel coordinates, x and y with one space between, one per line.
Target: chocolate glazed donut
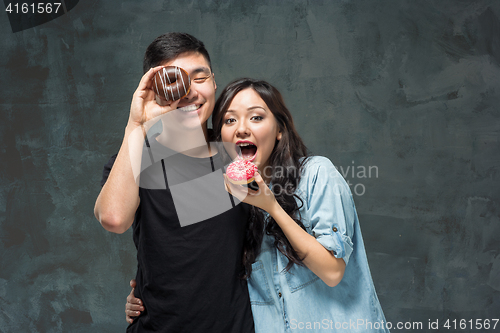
171 83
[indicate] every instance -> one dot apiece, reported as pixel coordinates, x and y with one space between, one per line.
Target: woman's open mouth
246 150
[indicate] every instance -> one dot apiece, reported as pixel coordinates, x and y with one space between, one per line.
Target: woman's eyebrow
251 108
256 107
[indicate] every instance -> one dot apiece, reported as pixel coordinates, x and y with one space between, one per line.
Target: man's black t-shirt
188 265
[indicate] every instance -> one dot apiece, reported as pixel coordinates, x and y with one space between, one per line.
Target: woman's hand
134 307
262 198
144 106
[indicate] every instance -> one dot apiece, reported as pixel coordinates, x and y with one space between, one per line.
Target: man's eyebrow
205 70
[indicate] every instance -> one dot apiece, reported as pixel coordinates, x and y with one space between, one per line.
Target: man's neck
189 142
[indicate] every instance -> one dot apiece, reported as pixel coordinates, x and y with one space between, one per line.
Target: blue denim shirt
297 300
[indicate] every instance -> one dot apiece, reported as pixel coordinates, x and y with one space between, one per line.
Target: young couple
288 257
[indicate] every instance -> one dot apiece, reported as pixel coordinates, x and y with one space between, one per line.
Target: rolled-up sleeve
330 206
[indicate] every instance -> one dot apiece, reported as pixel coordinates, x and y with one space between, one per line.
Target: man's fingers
129 317
159 107
146 80
163 109
133 307
133 300
131 313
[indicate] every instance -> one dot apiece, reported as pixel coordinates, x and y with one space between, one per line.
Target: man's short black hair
169 46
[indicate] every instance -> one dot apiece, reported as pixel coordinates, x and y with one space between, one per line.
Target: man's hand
144 106
134 307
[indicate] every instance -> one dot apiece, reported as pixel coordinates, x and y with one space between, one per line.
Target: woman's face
249 128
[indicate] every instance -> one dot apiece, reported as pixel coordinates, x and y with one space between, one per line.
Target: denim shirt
299 301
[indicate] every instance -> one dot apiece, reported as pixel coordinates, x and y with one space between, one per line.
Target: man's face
201 98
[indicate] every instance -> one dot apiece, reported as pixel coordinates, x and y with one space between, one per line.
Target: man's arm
119 197
118 200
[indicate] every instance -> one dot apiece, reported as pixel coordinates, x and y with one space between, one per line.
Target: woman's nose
242 129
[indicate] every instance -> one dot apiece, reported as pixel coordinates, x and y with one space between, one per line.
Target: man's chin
184 122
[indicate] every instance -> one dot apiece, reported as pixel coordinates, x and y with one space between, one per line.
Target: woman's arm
315 256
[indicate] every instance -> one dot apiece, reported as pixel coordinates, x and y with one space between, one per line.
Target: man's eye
201 79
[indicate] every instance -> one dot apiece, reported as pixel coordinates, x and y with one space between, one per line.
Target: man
188 250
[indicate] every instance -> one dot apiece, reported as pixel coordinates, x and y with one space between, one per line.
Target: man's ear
215 84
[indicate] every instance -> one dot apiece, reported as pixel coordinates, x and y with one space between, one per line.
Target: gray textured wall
408 88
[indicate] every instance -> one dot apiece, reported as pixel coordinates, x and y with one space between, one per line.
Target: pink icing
241 170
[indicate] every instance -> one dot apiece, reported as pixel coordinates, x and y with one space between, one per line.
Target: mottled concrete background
408 88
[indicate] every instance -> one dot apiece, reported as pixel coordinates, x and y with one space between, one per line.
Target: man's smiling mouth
190 108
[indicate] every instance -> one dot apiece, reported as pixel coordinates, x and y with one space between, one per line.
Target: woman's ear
278 137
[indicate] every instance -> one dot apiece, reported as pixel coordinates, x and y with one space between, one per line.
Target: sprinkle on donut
241 172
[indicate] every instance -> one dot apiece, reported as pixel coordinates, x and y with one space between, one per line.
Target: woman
304 255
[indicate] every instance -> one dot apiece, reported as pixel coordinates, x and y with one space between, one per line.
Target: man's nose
191 95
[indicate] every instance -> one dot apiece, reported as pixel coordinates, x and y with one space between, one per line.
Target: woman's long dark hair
286 161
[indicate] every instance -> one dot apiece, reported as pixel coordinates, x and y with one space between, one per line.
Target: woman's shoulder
314 164
319 171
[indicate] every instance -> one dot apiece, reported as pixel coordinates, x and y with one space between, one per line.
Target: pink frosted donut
241 172
171 83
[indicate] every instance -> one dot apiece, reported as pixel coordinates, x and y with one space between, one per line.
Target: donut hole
171 83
